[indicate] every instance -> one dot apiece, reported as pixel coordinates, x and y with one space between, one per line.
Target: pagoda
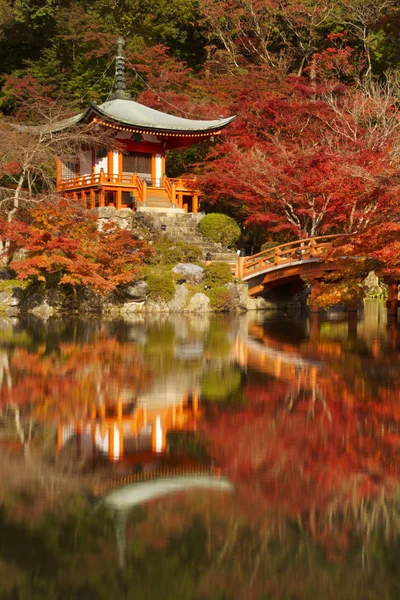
132 173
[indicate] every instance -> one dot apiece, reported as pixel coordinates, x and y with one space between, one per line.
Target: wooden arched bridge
280 264
287 263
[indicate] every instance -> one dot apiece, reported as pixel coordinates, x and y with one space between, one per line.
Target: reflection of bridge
287 263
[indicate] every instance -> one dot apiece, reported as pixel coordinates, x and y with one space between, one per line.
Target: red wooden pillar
119 199
92 198
58 173
101 194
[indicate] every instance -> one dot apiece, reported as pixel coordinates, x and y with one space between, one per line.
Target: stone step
160 211
183 227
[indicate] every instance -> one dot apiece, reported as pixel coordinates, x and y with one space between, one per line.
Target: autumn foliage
63 244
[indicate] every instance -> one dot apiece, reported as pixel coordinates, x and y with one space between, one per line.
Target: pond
213 457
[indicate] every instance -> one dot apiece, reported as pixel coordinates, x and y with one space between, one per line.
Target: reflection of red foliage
325 448
61 384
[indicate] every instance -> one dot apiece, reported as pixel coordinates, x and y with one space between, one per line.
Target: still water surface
253 457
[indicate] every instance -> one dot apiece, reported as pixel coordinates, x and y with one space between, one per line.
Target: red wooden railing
284 254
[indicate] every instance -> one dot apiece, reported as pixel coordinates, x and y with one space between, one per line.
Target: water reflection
299 415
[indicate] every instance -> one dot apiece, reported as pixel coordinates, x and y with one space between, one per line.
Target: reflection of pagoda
131 431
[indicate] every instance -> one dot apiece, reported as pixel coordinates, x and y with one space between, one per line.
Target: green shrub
9 284
220 228
217 274
172 253
220 299
161 285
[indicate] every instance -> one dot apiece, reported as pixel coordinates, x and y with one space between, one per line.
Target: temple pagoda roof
128 114
133 114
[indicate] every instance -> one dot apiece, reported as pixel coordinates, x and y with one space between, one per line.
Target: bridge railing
297 251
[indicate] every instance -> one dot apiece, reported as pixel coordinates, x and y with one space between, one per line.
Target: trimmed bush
217 274
161 285
172 253
220 299
220 228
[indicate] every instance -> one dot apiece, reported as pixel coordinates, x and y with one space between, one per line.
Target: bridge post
315 291
241 264
392 302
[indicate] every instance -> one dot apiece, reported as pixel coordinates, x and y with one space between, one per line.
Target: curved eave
203 129
51 127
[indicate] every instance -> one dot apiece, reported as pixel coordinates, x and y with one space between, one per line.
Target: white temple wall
101 163
159 172
115 162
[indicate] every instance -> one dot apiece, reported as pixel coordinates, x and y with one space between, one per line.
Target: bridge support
314 293
392 302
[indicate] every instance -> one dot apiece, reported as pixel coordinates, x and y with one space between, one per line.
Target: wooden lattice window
137 162
69 169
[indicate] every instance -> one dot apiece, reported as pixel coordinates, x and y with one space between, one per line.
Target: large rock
43 310
373 287
178 303
137 291
198 303
192 273
239 295
154 306
260 303
130 309
10 299
109 214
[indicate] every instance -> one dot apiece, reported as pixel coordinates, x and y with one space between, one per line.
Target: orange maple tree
63 244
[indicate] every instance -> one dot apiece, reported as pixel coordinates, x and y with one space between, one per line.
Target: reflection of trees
103 369
189 548
319 439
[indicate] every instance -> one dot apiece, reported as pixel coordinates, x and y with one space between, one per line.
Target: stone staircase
184 227
157 198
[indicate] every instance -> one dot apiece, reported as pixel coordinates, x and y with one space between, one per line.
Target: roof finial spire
119 80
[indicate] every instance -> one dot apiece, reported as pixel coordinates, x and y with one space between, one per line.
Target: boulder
11 298
178 303
43 310
137 291
243 291
131 308
154 306
192 273
198 303
260 303
373 287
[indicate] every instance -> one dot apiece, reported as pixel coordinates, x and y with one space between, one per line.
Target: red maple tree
63 244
